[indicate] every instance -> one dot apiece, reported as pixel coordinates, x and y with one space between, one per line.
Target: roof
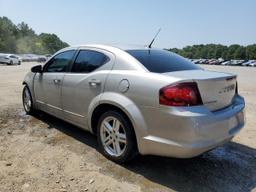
123 47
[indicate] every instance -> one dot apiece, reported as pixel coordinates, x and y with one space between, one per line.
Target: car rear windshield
161 61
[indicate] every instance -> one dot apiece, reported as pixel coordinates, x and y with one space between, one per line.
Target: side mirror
37 69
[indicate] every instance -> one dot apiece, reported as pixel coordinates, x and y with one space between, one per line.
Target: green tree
51 42
216 51
23 39
240 53
231 51
251 52
7 35
25 30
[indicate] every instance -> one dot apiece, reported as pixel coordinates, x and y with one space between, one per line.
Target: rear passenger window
87 61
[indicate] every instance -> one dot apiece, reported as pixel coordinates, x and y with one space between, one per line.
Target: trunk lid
217 89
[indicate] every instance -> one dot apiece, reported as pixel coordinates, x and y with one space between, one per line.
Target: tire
122 136
28 101
19 63
11 62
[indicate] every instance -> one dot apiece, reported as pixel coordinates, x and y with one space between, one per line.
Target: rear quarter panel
143 87
142 95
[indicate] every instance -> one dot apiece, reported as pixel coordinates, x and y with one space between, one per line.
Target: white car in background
252 64
10 59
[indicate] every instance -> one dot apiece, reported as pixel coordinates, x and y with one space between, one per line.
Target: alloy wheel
113 136
27 100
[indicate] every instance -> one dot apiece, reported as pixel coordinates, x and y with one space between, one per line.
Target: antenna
154 38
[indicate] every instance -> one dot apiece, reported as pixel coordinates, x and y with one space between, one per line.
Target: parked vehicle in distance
30 57
34 57
236 62
48 56
137 100
195 61
10 59
221 60
213 62
203 61
226 63
206 61
252 64
41 58
247 63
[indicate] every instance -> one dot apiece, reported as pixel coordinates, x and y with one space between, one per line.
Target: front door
48 84
84 82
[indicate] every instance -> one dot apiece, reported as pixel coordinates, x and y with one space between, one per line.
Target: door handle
94 82
56 81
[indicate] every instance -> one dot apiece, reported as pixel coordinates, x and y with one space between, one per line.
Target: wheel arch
121 103
29 82
102 108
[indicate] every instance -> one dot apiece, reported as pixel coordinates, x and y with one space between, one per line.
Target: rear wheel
116 137
27 101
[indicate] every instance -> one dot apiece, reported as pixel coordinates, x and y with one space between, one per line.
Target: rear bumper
188 132
161 147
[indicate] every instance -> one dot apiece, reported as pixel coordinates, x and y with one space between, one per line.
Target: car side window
60 62
88 60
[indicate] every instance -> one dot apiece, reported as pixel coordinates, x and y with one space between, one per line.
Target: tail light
182 94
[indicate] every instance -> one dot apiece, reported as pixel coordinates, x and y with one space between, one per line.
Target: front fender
127 106
29 81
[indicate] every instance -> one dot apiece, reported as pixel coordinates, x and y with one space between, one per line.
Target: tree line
215 51
21 38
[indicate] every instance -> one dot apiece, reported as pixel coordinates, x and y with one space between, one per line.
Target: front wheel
116 137
27 101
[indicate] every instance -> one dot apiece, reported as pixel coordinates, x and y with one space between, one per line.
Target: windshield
161 61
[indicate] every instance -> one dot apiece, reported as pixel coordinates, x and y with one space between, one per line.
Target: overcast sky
183 22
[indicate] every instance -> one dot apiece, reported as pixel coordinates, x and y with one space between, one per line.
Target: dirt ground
43 153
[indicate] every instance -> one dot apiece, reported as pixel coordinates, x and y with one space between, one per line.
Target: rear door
49 83
84 82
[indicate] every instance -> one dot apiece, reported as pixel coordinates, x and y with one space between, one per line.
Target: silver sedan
137 100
